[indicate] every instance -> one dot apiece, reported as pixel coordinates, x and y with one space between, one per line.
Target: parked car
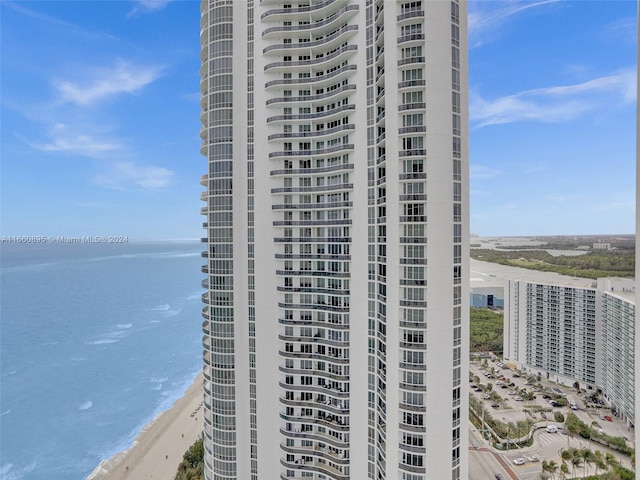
499 477
519 461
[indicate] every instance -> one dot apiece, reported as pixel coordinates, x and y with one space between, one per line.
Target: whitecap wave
195 296
157 388
161 308
124 326
4 470
171 313
4 413
158 379
86 405
104 341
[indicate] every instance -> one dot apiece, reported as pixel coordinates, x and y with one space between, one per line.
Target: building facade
570 333
336 204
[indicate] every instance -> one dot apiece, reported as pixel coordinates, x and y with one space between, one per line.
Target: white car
518 399
519 461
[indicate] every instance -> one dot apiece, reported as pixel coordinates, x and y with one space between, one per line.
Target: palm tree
565 456
588 458
576 462
552 468
610 459
564 470
599 461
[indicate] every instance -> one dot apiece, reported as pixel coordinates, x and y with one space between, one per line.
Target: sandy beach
159 448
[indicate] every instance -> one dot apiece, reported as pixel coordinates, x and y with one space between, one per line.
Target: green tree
192 465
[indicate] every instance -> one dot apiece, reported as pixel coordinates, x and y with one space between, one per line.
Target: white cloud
121 175
105 82
555 104
63 139
146 6
484 17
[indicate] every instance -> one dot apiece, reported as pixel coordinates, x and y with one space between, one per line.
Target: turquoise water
95 341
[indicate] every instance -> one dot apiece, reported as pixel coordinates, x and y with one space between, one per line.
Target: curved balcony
411 468
410 15
409 61
319 10
415 129
326 61
310 171
317 133
348 147
314 323
315 306
317 452
315 340
411 83
318 467
316 81
315 356
326 43
320 437
411 38
326 116
335 422
315 373
307 99
321 27
412 106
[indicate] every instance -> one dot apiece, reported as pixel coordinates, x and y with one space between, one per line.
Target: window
412 52
413 74
412 97
411 7
413 209
412 143
413 419
413 439
413 29
413 166
413 188
412 459
415 358
414 119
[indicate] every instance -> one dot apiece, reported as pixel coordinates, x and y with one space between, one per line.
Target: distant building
570 333
602 245
487 297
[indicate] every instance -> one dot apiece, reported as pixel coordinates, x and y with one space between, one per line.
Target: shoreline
159 447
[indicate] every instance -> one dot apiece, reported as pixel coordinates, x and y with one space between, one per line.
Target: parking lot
517 400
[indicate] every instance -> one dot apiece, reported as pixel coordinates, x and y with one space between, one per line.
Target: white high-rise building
336 317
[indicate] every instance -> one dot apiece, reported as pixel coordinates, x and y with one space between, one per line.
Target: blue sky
100 118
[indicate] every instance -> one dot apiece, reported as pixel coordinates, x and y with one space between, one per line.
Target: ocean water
95 341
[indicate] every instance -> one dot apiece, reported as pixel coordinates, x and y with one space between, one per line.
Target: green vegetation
486 330
580 462
192 465
558 417
577 426
595 264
